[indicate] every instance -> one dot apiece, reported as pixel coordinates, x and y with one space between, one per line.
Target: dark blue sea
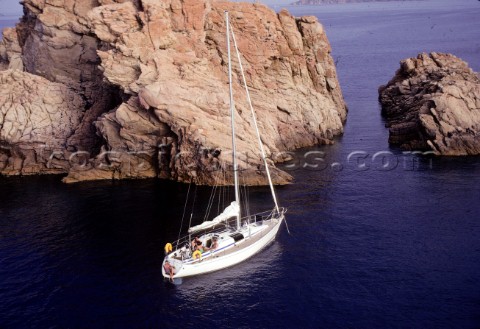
379 238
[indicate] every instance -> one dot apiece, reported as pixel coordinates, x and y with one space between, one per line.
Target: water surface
370 247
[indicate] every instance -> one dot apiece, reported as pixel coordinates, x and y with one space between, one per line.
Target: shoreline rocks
433 104
152 80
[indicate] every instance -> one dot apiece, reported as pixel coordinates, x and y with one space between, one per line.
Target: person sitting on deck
169 269
214 243
195 242
199 247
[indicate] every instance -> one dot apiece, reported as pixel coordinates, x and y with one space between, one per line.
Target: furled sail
233 210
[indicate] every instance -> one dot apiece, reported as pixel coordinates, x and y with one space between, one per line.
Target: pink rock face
153 75
38 116
433 104
10 51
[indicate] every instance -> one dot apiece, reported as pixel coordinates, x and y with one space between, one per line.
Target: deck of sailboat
231 255
245 243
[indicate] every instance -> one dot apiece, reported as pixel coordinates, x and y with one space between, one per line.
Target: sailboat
229 238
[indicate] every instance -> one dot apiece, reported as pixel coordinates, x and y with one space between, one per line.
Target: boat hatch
237 236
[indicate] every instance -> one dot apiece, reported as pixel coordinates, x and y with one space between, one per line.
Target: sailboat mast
254 118
232 117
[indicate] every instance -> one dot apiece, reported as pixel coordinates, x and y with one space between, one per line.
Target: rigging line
220 193
242 194
212 197
193 203
191 214
207 211
221 197
247 200
227 192
245 195
286 225
210 203
183 216
255 122
214 193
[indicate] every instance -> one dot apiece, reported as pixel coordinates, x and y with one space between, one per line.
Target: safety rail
229 224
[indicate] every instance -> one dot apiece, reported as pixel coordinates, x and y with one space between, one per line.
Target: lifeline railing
230 224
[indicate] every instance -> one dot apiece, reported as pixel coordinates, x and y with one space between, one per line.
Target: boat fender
168 248
197 254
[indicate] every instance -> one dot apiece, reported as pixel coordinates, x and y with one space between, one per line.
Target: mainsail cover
233 210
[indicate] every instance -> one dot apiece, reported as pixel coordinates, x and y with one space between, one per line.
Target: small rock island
433 104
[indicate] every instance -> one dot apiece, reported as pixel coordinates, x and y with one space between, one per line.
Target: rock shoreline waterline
138 89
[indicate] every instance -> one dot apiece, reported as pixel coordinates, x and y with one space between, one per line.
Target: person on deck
169 269
200 247
214 243
196 242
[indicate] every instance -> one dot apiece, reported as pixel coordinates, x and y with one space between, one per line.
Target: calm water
382 247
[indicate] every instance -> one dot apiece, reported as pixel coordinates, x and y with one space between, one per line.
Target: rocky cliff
131 89
433 103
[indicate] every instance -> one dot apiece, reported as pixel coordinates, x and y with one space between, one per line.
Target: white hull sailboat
229 238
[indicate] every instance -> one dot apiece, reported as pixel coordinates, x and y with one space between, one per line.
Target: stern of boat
178 264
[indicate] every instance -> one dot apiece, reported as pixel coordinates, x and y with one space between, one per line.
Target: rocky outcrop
152 79
37 117
58 45
433 103
10 51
